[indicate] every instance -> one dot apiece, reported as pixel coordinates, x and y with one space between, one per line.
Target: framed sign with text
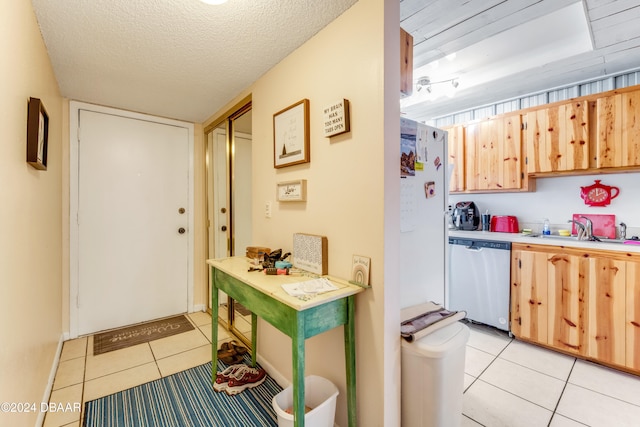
291 135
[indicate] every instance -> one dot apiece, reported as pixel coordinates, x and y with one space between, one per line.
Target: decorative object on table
598 194
360 268
310 253
270 259
256 254
291 135
336 118
292 191
37 134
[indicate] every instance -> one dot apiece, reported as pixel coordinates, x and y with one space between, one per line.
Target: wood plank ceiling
443 27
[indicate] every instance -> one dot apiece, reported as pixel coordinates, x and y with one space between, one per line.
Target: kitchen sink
575 238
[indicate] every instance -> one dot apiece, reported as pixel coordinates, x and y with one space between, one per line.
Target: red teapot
598 194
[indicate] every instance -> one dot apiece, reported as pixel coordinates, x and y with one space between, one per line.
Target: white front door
133 220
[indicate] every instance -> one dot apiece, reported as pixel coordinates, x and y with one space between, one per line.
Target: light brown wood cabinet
557 138
618 130
586 303
632 324
456 156
493 154
406 63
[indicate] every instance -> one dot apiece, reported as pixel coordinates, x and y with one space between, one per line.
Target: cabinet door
568 293
632 359
529 305
618 130
607 294
557 138
493 154
456 156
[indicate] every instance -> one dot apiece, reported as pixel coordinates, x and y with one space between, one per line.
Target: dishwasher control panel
480 243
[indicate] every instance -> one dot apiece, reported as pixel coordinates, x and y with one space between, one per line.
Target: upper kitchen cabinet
557 138
618 130
493 154
455 153
406 63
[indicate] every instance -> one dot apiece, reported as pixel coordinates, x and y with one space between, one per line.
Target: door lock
181 230
181 211
223 228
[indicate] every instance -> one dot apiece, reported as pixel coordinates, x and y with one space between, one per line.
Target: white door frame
74 114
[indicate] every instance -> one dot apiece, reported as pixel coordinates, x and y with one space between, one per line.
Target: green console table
264 296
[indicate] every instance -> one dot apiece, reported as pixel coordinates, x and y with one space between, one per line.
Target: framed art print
291 135
37 134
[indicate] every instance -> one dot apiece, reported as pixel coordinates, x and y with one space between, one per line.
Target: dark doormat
138 334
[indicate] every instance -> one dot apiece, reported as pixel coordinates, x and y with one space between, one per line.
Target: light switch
267 209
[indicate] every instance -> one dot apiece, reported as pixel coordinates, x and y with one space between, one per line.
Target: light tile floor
82 377
515 384
507 382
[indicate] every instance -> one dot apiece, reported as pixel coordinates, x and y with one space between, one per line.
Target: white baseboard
52 376
273 372
199 307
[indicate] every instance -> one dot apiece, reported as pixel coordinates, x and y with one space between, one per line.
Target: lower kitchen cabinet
582 302
632 323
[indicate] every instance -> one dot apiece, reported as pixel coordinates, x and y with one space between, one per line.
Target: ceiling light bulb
454 83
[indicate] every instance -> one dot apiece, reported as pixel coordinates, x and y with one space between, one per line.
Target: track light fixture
425 82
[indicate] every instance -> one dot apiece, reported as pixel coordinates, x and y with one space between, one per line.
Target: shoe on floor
222 378
251 377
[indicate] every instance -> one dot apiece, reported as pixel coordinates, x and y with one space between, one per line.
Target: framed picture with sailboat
291 135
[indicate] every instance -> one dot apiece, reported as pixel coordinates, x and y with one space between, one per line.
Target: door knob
181 230
223 228
181 211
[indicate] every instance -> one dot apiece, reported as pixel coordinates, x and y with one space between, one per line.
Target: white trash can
433 378
320 395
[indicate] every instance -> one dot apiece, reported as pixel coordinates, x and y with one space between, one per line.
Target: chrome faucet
581 229
623 231
588 228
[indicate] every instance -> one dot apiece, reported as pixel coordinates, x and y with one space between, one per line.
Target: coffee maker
466 216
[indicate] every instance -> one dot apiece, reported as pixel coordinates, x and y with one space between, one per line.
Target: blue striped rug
185 399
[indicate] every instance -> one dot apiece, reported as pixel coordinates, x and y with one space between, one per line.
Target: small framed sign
37 134
336 118
292 191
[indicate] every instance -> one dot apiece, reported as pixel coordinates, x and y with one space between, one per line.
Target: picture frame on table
37 134
291 135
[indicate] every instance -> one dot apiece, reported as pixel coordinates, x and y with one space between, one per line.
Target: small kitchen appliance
504 224
466 216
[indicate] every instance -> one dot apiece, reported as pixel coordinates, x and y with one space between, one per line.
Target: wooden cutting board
603 225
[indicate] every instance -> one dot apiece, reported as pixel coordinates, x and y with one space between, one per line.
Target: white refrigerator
424 187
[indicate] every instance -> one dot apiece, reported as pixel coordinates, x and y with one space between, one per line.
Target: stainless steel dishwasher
479 278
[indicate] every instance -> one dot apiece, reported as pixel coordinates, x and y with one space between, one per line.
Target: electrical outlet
267 209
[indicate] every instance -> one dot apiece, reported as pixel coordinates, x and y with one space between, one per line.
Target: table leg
254 338
297 341
350 359
214 327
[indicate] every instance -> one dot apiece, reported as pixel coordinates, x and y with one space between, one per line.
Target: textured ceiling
181 59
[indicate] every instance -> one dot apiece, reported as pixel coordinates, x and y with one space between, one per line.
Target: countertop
549 241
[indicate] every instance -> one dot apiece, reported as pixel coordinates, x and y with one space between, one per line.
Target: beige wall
346 185
31 216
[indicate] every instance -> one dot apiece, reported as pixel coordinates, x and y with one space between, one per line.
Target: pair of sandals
231 353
